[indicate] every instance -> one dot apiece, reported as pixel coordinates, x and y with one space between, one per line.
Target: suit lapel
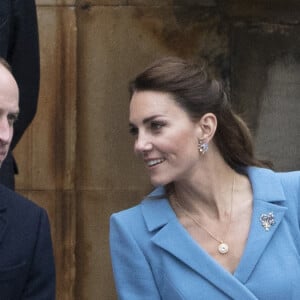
3 209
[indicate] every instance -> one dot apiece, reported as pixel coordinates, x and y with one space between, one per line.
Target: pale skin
166 139
9 109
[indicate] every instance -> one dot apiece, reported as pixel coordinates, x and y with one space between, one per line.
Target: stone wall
76 159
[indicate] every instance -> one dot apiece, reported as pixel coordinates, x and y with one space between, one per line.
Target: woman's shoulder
291 177
267 183
153 212
288 179
151 200
291 183
288 176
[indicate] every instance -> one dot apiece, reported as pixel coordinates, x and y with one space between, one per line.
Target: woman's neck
210 192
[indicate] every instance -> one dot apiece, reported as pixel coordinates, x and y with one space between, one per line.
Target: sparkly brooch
267 220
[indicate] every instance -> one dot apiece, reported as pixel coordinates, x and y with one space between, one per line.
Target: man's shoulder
13 200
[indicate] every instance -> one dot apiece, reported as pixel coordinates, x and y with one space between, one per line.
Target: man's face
9 109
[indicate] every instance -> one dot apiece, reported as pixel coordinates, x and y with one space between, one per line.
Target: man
26 257
19 46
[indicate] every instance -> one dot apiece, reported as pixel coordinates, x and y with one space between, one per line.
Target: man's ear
207 127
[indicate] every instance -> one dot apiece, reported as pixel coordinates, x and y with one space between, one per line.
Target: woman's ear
207 126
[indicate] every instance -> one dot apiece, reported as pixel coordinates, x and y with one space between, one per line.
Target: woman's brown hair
191 87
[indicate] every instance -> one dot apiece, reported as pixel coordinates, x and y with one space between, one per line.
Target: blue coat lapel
268 198
258 238
172 237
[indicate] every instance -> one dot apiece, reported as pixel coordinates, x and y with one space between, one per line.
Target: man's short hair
5 64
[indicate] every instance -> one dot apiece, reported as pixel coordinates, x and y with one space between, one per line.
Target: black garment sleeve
23 56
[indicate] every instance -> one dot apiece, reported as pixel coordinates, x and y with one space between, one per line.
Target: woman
218 224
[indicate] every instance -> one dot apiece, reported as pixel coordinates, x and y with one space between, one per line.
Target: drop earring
202 147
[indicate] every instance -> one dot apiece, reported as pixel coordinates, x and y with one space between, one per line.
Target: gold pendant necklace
223 248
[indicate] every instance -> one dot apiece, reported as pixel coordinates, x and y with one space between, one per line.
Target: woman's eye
157 125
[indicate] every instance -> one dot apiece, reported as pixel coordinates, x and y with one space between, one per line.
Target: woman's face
165 137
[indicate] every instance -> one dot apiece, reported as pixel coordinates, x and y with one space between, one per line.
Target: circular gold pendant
223 248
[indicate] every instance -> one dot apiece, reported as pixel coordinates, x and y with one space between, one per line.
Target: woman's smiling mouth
154 162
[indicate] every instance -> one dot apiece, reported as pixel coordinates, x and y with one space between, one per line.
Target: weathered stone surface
114 44
76 159
46 153
87 4
275 11
94 273
266 88
55 2
48 147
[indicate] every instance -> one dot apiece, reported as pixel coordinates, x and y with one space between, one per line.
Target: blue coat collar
266 187
172 237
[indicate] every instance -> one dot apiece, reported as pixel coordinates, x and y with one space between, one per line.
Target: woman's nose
142 144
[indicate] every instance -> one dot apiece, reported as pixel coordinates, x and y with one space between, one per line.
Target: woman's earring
202 147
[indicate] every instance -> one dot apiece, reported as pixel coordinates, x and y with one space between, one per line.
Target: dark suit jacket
26 256
19 45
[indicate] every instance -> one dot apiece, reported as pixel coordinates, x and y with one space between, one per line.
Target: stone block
266 89
114 44
46 152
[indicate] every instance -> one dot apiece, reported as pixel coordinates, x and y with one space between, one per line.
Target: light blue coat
154 257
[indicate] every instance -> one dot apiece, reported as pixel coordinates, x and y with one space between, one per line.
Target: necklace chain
223 247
